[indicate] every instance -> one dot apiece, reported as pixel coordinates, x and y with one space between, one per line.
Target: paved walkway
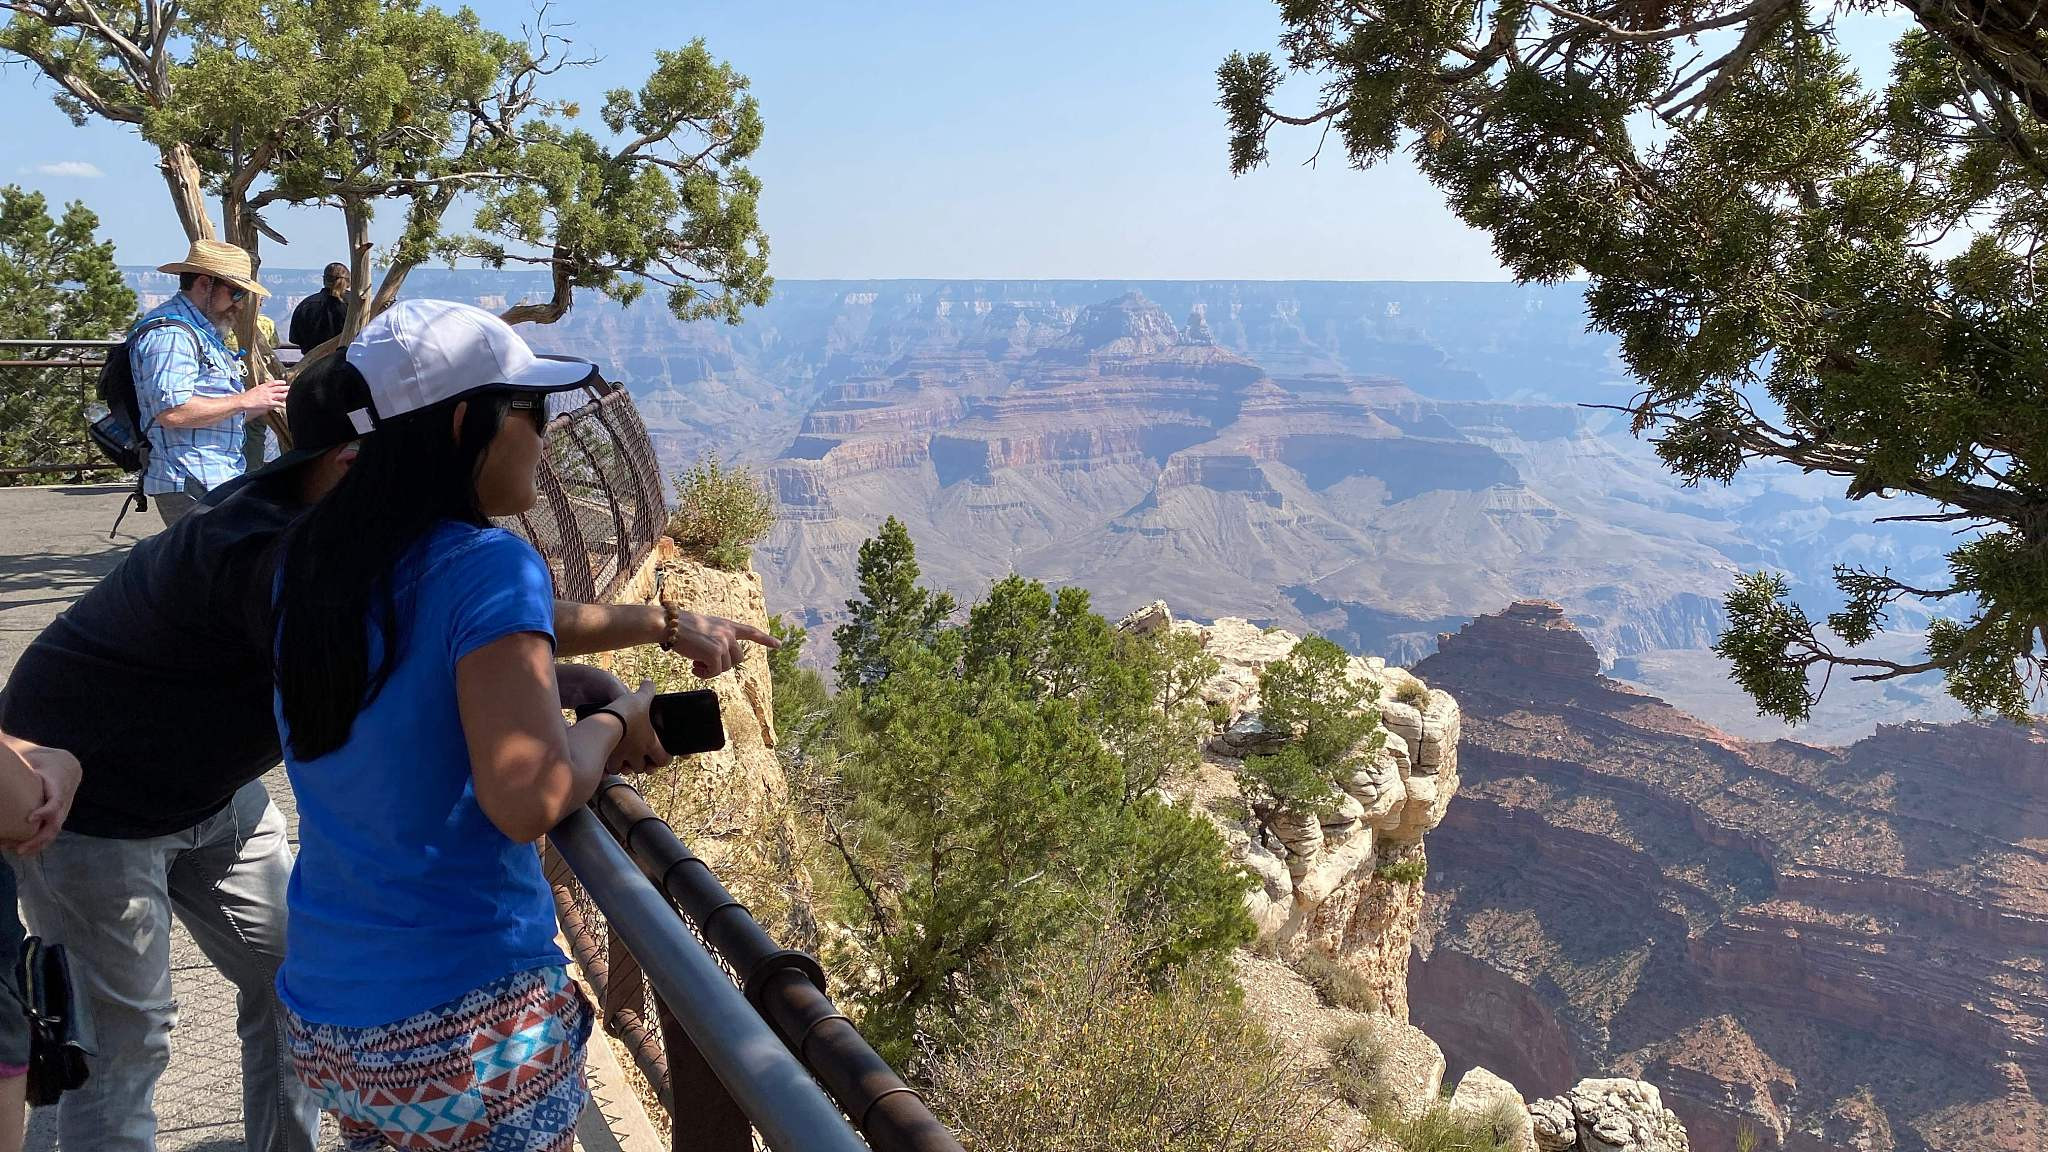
53 546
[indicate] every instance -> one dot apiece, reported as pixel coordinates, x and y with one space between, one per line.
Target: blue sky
1053 139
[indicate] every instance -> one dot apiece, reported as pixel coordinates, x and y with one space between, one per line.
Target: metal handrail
786 986
759 1073
88 359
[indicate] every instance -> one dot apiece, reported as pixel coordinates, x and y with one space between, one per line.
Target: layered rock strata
1830 948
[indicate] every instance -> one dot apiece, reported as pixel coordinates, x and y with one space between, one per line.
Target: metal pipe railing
736 1044
786 986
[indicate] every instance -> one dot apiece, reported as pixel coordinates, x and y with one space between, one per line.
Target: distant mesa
1129 325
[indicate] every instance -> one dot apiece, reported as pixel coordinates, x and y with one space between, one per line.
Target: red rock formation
1833 948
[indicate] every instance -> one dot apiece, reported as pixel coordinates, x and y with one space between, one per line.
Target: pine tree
893 609
56 282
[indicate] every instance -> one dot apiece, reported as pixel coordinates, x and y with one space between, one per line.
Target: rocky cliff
1348 886
1834 948
1329 883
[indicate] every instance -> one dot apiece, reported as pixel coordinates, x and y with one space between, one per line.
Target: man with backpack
189 401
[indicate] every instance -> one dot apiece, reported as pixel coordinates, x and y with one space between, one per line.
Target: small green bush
1336 984
1080 1051
720 513
1413 692
1358 1062
1435 1129
1409 869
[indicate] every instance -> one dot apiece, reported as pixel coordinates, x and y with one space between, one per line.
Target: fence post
705 1117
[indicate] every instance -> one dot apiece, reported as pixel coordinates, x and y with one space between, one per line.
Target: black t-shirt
317 319
159 678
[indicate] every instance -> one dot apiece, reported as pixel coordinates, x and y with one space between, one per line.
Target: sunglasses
535 406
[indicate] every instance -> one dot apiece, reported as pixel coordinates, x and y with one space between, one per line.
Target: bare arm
37 785
712 644
584 629
531 769
206 411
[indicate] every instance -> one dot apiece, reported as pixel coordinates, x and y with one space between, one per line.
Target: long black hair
339 560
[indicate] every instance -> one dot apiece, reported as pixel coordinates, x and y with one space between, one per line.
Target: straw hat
221 261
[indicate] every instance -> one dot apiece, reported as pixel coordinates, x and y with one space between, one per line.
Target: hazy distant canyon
1376 461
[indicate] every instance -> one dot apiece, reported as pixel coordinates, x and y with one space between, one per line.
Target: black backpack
119 435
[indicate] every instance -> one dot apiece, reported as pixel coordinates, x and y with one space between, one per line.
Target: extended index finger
749 632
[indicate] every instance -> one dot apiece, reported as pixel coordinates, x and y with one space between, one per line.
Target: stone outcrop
1615 1115
731 806
1482 1097
1346 882
1833 949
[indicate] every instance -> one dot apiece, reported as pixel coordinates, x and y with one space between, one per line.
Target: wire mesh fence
46 389
602 502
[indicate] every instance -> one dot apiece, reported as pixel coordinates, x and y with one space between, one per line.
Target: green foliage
892 610
1080 1051
675 207
1337 984
1745 1138
997 791
1436 1129
1802 265
1358 1066
1334 724
58 282
802 701
720 514
1408 869
1412 692
361 105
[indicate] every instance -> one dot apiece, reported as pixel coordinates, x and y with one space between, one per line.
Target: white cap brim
554 374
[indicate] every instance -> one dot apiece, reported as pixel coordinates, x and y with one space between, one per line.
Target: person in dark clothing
321 316
159 679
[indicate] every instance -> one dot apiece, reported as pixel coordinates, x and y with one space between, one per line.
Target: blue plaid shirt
173 364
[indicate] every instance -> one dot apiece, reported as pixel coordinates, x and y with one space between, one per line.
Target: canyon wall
1829 948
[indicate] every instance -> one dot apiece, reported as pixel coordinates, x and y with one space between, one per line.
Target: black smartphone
687 722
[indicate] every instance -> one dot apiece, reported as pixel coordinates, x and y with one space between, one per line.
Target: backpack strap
143 329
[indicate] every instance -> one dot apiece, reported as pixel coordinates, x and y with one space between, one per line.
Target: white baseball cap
419 353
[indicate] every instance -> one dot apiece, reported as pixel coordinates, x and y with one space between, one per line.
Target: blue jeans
110 902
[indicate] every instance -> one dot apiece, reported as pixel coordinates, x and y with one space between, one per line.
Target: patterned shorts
498 1070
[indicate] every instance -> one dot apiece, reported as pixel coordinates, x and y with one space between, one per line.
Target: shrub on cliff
1336 984
1333 720
1358 1063
1437 1129
1079 1052
997 788
802 701
720 513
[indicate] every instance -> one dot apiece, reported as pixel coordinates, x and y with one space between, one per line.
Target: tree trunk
554 309
356 214
2003 37
181 173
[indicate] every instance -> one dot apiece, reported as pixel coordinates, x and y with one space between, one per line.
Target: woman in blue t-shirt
426 1001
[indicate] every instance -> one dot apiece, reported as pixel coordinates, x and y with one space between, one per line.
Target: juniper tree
57 282
360 105
998 791
1836 272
